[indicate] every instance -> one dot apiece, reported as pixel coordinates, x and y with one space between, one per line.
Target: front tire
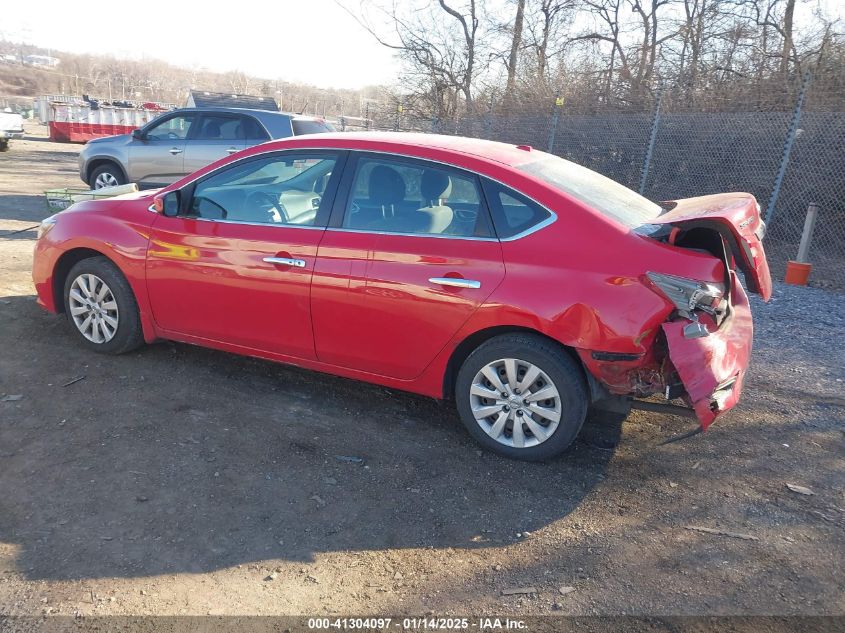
101 308
522 396
108 175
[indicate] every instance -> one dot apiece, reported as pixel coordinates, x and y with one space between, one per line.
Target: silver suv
182 141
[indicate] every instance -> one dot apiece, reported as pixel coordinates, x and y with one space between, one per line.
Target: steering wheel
466 215
174 136
267 198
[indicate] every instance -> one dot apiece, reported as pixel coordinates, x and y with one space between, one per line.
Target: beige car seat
435 217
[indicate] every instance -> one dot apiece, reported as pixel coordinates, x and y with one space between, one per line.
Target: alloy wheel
105 179
515 403
93 308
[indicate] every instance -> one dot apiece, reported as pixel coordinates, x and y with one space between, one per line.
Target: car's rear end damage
712 367
700 352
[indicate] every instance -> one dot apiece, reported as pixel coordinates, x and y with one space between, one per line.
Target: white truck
11 126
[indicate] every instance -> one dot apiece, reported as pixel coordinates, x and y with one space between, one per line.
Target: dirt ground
177 480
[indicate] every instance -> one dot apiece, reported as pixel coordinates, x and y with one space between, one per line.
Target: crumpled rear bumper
712 368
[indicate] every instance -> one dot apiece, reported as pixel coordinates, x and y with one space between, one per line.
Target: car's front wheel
108 175
522 396
101 307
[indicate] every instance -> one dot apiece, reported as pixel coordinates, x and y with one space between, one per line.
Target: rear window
599 192
307 126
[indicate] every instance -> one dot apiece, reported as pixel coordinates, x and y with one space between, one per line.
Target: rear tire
108 175
533 391
101 308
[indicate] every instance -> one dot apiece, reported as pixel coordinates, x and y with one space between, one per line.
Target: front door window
173 129
281 189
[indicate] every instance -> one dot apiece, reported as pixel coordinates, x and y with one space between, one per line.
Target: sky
308 41
305 41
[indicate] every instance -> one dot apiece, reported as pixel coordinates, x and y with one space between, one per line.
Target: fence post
555 116
787 147
488 123
399 110
655 124
807 233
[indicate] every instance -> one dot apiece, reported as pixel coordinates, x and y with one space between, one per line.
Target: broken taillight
689 295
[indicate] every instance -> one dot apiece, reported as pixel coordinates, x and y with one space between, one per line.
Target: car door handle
232 150
285 261
456 282
175 150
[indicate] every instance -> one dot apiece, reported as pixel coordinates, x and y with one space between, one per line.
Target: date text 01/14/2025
415 624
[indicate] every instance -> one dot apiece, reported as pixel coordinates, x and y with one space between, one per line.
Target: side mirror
138 135
167 203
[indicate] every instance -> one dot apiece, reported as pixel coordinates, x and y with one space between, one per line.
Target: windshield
601 193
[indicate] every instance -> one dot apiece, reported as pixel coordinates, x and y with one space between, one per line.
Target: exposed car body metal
364 308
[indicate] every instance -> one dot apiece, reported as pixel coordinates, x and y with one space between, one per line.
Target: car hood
736 216
118 138
99 205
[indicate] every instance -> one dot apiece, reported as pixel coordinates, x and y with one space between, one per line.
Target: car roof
251 111
504 153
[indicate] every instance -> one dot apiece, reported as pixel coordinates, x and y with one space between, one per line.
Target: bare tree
516 43
787 48
439 45
714 54
544 28
647 11
608 13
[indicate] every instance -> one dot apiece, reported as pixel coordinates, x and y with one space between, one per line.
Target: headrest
435 185
386 185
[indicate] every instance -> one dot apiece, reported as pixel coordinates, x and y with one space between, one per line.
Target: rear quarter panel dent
585 292
580 281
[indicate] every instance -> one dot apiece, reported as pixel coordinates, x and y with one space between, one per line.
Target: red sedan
523 286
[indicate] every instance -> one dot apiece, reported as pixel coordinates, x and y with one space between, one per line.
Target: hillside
156 80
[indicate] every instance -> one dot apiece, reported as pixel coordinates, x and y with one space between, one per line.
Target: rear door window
408 196
216 127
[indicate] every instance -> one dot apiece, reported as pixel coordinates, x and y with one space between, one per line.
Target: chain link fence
788 154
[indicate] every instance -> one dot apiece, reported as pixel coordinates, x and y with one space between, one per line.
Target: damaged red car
521 286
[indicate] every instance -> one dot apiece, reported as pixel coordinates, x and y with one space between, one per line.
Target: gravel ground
178 480
798 342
